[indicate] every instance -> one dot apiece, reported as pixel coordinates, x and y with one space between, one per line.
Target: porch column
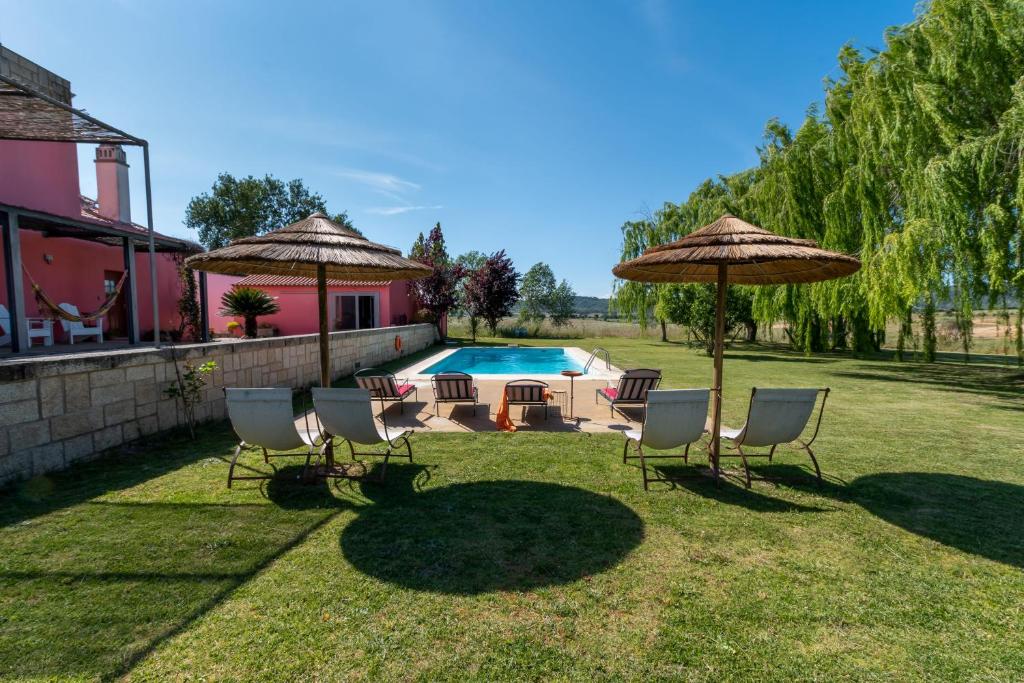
15 288
204 309
130 292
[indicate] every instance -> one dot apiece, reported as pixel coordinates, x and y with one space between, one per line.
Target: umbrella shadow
978 516
486 536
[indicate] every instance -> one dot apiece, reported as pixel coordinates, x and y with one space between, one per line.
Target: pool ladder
593 356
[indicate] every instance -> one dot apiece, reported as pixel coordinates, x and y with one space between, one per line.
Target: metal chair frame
800 444
454 376
613 404
528 383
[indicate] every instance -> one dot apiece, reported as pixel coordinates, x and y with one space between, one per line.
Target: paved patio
586 416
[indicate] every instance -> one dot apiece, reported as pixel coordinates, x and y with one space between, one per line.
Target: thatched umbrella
733 251
314 247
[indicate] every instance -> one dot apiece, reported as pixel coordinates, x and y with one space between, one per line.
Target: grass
538 556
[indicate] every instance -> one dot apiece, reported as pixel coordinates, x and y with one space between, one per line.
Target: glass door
367 309
354 311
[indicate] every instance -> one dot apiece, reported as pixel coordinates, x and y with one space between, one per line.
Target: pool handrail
593 356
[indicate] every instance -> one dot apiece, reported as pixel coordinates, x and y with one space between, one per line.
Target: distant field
991 334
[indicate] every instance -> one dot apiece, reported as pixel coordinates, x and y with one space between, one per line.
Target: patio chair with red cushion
631 389
385 386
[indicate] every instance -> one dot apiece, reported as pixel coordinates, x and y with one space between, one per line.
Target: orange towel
503 420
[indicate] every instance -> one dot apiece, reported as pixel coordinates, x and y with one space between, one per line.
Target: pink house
74 248
350 305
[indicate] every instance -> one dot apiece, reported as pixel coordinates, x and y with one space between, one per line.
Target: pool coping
414 373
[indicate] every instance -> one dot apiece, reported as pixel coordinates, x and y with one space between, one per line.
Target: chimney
112 183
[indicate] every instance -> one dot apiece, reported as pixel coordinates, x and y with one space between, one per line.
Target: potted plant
266 330
248 303
234 329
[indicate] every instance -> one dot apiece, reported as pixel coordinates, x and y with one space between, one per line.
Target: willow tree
914 164
637 300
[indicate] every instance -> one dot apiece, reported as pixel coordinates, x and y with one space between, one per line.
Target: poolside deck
420 414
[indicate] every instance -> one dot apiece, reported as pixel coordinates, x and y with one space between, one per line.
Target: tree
438 292
561 304
638 300
251 206
695 306
492 290
471 261
248 303
538 286
188 301
914 162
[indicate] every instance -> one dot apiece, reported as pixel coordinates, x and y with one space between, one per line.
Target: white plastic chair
263 418
348 414
35 328
79 329
673 418
776 417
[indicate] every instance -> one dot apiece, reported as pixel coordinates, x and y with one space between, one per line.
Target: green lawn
539 556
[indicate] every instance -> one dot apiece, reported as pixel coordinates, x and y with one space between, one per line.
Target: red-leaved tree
438 292
493 290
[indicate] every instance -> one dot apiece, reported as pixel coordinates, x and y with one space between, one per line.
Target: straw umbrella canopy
731 250
318 248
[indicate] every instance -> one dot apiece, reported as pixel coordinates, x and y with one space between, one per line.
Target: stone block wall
57 410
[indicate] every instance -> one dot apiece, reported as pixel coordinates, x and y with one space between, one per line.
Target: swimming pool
507 361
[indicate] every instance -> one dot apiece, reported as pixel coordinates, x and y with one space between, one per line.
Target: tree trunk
751 331
250 326
928 331
664 331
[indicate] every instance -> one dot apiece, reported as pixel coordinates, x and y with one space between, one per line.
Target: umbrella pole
716 397
325 353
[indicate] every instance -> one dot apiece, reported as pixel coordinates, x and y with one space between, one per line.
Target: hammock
58 312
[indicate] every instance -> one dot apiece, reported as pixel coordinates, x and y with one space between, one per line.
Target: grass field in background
539 556
991 336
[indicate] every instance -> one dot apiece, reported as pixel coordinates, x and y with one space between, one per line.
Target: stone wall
57 410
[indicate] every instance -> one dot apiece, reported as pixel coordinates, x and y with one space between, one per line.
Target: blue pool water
506 361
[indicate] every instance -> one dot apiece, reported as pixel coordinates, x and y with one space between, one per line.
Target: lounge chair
631 390
79 329
36 328
454 387
263 418
776 417
673 418
385 386
527 392
347 413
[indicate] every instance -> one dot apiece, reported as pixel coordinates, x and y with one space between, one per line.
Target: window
354 311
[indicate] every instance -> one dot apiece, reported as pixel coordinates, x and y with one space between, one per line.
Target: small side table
572 375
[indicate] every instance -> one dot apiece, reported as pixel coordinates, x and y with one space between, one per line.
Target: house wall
299 310
41 176
76 276
56 411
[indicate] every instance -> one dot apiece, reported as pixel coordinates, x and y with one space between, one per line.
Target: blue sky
533 126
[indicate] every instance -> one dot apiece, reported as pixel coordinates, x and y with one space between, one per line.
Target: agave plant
248 303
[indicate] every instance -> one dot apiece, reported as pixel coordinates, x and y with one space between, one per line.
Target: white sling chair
79 329
776 417
348 414
673 418
263 418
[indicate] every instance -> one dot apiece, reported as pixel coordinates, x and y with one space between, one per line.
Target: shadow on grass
728 491
486 536
113 472
985 380
90 591
977 516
